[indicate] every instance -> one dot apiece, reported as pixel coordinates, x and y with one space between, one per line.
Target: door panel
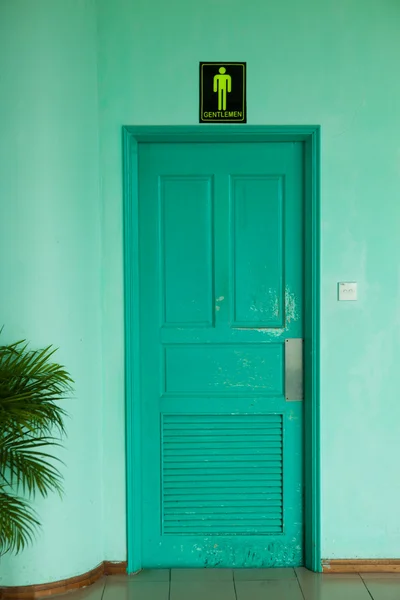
221 288
186 250
257 267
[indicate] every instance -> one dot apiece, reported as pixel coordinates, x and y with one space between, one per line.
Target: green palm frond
31 422
18 523
29 386
26 465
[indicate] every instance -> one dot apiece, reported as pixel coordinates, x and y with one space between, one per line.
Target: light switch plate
347 291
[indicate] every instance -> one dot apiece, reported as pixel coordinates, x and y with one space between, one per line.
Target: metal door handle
294 384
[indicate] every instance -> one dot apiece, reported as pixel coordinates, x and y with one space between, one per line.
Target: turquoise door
221 289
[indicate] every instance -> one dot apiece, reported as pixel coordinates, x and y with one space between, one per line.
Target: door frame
310 135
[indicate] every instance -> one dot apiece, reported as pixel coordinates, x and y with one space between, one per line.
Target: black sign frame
229 106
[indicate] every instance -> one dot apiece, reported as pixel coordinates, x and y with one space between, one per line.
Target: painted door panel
221 288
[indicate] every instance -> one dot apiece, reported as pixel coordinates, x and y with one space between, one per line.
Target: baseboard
361 565
115 568
31 592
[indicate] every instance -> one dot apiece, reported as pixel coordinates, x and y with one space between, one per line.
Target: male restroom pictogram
223 92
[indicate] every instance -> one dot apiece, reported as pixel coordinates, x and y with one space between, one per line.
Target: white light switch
348 291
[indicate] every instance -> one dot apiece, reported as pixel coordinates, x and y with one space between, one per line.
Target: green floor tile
92 592
367 576
150 590
150 575
201 575
215 590
384 589
250 584
263 574
282 589
331 587
305 573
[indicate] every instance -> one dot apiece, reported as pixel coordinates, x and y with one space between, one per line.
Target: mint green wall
50 252
332 63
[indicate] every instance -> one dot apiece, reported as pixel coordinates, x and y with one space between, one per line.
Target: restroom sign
222 92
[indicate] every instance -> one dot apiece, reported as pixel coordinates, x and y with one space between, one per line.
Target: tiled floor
244 584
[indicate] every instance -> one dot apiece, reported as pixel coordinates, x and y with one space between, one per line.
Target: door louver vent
222 474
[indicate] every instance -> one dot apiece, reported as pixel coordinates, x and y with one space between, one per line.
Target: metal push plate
294 385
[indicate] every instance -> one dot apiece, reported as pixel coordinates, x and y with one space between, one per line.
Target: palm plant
31 422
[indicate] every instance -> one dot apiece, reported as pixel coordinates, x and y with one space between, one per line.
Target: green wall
327 62
50 252
332 63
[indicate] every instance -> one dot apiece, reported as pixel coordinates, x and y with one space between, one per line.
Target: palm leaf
29 387
18 523
23 463
31 422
